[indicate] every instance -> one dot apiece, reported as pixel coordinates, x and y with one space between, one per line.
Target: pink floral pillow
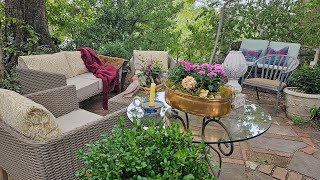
274 60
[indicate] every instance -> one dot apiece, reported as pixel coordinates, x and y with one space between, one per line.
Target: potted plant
150 72
199 89
135 153
303 91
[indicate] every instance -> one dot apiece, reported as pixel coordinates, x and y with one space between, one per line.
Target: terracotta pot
196 105
298 103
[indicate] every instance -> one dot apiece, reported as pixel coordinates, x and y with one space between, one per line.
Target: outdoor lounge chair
56 158
271 72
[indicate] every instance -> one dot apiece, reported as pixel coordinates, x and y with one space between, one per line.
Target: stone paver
269 158
251 165
276 144
316 135
308 141
317 155
232 172
310 150
280 173
232 161
294 176
305 164
260 176
282 130
267 169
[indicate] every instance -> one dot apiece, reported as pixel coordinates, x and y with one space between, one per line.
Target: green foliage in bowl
135 153
306 78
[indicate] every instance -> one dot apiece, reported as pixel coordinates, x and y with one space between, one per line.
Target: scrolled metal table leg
226 144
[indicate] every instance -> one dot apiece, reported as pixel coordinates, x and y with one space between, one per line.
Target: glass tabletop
240 124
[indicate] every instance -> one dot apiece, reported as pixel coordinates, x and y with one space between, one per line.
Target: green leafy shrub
119 49
135 153
297 120
306 78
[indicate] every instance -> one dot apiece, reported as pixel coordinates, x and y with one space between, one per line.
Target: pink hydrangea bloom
202 72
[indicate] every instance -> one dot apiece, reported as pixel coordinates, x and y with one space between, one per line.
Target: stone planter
299 104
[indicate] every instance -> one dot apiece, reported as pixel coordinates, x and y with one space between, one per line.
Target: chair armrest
59 101
33 80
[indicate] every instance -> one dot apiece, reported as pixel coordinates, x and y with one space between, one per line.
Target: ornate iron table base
209 146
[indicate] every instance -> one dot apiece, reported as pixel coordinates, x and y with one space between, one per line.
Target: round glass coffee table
246 122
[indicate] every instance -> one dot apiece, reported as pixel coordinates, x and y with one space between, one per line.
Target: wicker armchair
56 158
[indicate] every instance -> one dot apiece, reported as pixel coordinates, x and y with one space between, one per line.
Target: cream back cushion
27 117
52 63
75 62
140 56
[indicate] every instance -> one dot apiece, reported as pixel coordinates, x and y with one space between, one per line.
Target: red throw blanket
108 73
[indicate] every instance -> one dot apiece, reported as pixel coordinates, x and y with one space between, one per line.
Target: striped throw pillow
251 55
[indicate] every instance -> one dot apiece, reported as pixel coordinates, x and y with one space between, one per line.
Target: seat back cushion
293 51
52 63
141 57
75 62
27 117
254 45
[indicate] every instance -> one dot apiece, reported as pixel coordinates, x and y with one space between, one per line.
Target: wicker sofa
56 158
47 71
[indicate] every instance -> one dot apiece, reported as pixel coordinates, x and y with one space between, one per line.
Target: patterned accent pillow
27 117
75 62
283 51
251 55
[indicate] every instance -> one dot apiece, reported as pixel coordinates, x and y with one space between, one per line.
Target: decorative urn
235 67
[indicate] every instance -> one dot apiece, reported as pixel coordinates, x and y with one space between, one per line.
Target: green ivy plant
135 153
306 79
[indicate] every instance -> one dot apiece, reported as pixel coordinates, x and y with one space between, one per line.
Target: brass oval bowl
196 105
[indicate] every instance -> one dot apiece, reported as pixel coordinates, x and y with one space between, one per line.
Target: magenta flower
212 74
201 72
188 67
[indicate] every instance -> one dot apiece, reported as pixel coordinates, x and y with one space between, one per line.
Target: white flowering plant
205 80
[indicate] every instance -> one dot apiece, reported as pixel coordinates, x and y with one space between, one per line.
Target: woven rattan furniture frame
34 80
24 159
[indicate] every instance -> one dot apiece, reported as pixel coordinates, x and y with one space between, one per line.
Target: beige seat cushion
76 119
90 75
264 82
27 117
75 62
53 63
85 87
139 56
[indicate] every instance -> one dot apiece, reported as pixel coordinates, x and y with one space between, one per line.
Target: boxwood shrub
135 153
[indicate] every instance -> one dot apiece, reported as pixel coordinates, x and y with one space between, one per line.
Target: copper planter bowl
196 105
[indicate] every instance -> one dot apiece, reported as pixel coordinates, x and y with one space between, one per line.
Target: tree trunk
33 13
1 56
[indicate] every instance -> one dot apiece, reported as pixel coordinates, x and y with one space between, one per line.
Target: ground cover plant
135 153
